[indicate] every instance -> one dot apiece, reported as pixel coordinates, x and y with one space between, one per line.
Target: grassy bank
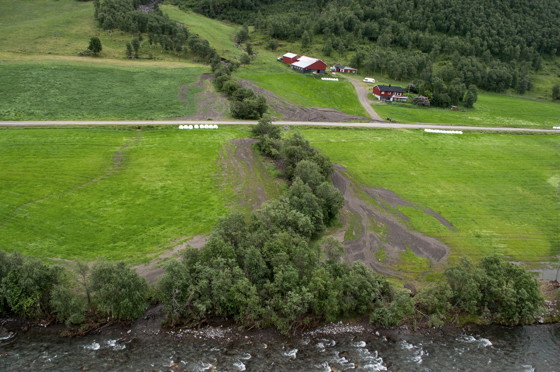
219 34
60 28
496 110
77 90
109 192
498 190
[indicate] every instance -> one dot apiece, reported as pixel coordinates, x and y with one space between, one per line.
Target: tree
118 290
245 59
305 40
328 48
470 97
27 287
556 92
136 46
249 49
266 128
69 307
242 35
129 50
95 45
272 44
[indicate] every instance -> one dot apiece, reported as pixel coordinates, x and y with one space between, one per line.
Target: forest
444 47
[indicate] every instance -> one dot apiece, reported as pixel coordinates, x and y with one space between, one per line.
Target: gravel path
254 122
363 97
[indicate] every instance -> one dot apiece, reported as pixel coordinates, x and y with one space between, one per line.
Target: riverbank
331 347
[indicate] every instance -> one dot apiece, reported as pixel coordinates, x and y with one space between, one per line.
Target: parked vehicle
369 80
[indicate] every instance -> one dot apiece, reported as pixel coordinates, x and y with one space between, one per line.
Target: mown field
495 110
58 90
117 193
219 34
500 191
58 27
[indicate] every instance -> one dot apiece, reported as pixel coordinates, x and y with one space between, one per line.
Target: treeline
33 290
268 269
272 268
124 15
244 102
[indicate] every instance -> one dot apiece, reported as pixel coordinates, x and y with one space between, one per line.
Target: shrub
117 290
421 101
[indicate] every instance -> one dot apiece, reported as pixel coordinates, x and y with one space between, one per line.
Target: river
335 347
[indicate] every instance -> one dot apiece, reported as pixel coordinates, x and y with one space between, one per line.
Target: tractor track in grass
117 162
239 163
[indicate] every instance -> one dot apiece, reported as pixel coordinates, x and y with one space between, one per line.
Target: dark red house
340 68
309 65
389 93
290 58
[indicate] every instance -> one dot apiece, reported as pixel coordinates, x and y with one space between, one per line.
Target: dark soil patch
379 230
210 104
293 112
242 169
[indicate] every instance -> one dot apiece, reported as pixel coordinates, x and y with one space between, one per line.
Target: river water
335 347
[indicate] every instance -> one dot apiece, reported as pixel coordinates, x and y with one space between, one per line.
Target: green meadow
219 34
496 110
58 27
58 90
500 191
118 193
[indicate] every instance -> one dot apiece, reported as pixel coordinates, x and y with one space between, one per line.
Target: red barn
290 58
308 64
389 93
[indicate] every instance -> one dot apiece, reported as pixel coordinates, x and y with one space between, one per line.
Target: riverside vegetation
271 268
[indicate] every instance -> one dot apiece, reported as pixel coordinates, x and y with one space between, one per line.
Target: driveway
362 92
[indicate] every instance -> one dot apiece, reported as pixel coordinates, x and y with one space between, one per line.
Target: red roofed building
290 58
389 93
308 64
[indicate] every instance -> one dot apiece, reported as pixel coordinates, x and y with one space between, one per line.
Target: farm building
389 93
290 58
308 64
340 68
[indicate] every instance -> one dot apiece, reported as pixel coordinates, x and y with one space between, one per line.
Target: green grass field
309 91
219 34
495 110
499 190
77 90
117 193
60 28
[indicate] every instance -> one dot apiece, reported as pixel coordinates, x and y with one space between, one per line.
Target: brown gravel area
377 228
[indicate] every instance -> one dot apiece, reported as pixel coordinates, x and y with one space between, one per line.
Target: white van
369 80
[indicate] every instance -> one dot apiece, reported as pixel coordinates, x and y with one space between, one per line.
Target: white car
369 80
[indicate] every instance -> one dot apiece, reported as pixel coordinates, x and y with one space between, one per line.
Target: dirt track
363 97
239 163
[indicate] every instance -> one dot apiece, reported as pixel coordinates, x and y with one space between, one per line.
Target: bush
68 306
117 290
249 108
95 45
266 128
26 286
421 101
